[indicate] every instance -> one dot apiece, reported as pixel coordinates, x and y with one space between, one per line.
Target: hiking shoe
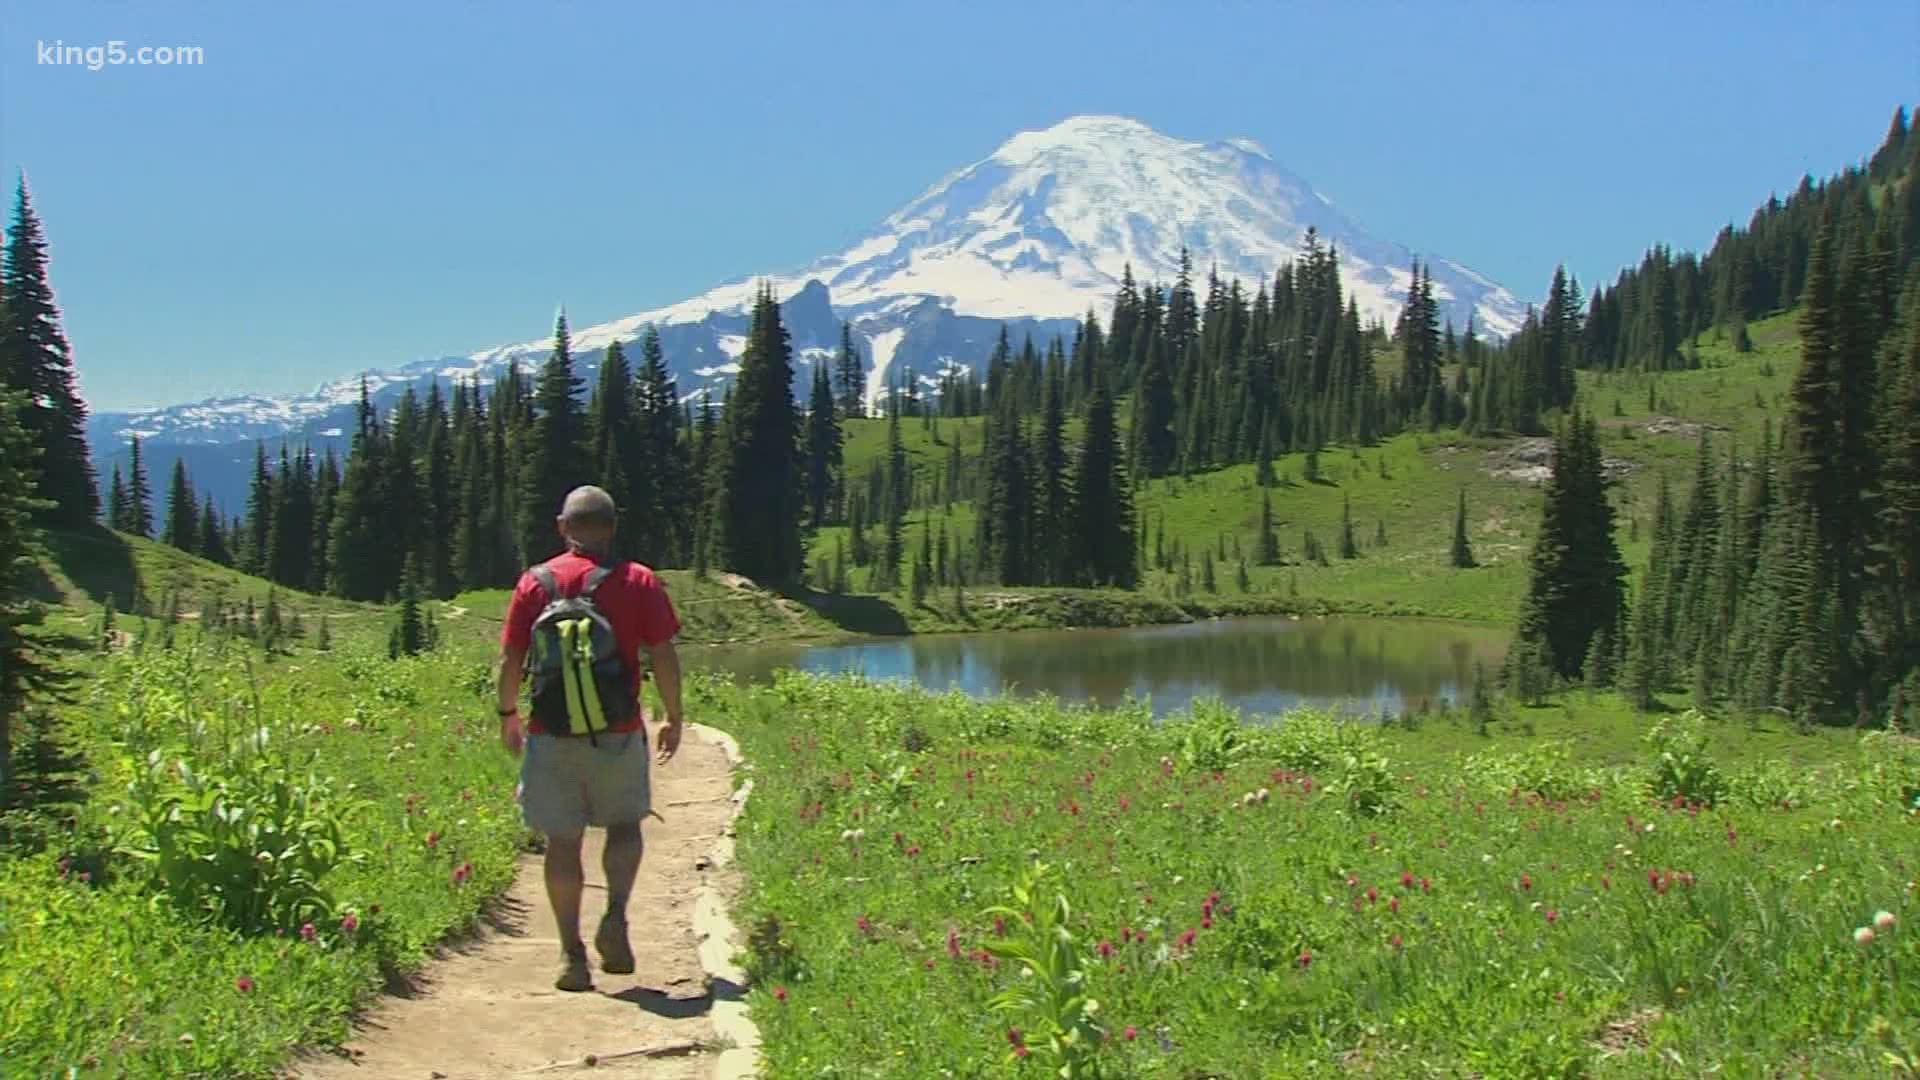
575 975
616 956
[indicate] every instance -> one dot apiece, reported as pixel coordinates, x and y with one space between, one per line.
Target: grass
113 965
1317 899
1407 486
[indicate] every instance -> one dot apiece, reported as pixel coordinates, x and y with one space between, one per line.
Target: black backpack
580 680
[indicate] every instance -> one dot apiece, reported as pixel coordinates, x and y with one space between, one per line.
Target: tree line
1790 578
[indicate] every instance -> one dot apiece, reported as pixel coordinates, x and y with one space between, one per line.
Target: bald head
587 518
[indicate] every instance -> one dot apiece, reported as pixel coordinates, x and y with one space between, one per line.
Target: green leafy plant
249 846
1681 767
1048 996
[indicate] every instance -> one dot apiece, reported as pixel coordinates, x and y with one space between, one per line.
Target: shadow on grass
98 563
854 614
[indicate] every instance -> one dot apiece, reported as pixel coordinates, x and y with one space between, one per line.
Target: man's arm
513 661
666 675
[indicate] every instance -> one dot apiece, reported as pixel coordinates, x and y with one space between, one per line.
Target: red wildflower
1426 884
1014 1036
1373 894
999 926
1130 1033
1606 885
1552 915
350 924
307 932
244 984
1021 1051
953 944
1106 950
865 924
1186 939
913 851
1393 905
1394 941
780 994
433 839
1406 879
1206 922
1306 785
1306 958
1526 881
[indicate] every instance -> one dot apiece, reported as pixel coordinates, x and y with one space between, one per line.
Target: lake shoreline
832 619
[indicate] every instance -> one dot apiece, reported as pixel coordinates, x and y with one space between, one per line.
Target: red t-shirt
634 600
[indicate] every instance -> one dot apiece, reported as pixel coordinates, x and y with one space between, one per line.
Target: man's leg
621 861
565 879
554 801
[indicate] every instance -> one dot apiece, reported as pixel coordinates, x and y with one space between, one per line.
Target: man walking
586 756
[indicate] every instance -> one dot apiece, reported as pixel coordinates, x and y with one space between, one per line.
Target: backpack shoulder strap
599 574
543 575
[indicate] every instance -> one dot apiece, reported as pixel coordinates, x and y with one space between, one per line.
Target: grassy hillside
1407 486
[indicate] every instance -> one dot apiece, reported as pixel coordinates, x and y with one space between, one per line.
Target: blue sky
352 185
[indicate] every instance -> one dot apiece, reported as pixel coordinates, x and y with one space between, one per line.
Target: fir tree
851 375
181 530
1462 554
759 490
212 542
1269 540
823 449
409 636
668 492
139 520
887 571
1051 533
260 513
21 669
1103 547
119 509
1348 548
36 361
554 459
1574 587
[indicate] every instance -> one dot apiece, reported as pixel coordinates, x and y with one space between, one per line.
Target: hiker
584 616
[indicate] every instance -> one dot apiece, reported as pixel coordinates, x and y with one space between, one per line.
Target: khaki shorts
567 784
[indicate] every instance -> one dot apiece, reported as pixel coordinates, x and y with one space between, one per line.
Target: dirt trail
489 1010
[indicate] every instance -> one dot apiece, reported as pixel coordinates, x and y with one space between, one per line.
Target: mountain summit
1044 227
1032 236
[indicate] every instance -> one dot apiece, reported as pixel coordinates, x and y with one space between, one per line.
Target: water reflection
1261 666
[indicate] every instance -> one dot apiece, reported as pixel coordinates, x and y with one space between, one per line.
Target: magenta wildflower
244 984
307 932
350 924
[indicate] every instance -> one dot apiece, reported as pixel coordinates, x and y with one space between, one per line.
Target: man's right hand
512 735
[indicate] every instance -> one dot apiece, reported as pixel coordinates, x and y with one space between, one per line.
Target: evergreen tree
1462 555
1269 540
260 513
1102 502
669 494
1052 533
851 375
361 554
759 491
21 669
212 542
1004 534
1206 573
409 635
1574 587
181 530
1348 548
823 449
36 361
554 457
139 519
119 508
886 573
326 491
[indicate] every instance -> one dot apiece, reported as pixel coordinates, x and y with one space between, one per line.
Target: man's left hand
667 742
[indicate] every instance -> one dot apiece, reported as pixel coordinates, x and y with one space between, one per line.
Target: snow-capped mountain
1032 236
